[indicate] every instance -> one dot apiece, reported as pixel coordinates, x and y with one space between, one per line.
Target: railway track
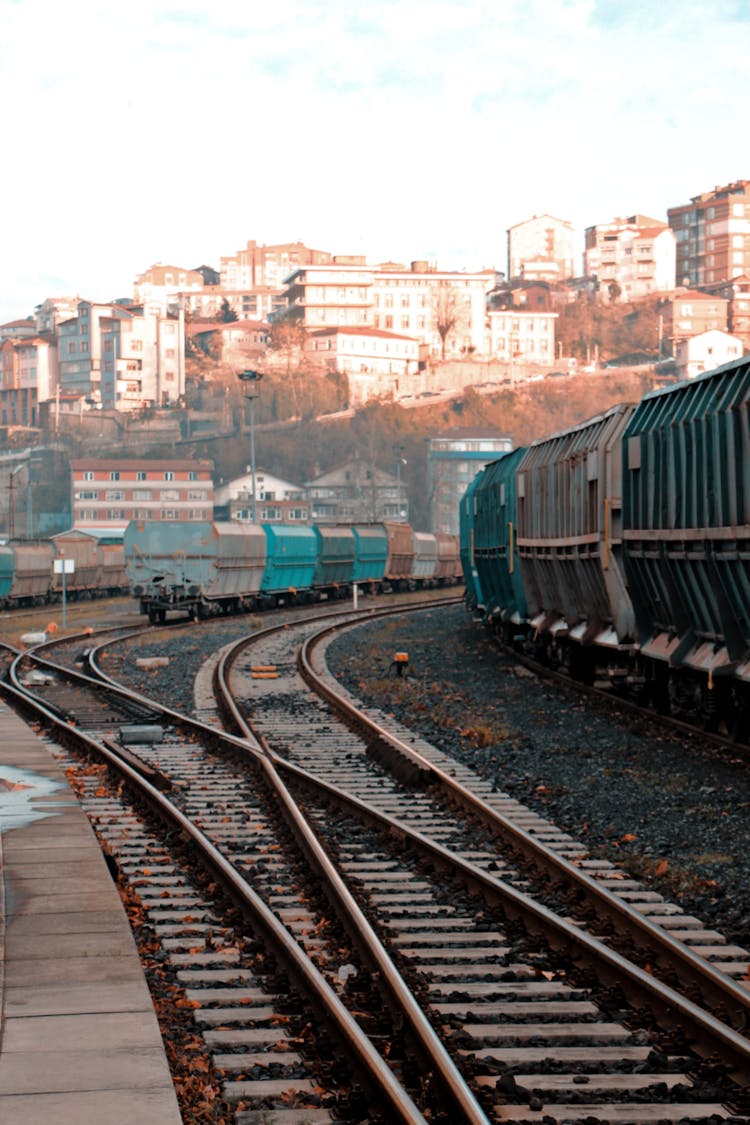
525 1013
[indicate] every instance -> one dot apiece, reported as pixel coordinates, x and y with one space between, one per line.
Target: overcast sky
146 131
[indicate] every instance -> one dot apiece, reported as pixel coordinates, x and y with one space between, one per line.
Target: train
28 576
207 568
619 549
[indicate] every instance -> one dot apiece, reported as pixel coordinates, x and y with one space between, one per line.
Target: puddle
19 790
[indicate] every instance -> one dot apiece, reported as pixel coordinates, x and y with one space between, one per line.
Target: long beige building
630 258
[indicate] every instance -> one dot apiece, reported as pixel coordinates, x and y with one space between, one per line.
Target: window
115 474
136 345
168 514
193 475
196 495
169 494
141 475
88 475
169 475
88 495
389 322
115 494
404 322
142 494
115 514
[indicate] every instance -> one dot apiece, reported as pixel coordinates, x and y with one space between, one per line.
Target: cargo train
28 576
620 548
207 568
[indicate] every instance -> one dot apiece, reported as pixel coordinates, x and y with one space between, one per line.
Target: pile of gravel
671 811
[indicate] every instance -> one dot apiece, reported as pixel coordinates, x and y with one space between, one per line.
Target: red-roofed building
690 312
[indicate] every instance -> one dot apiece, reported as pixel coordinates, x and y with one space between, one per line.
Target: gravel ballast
672 811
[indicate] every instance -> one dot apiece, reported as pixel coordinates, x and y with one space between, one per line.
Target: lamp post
251 380
399 449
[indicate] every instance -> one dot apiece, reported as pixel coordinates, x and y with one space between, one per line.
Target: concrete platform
79 1039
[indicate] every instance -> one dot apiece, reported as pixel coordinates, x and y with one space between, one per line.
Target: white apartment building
53 311
520 338
631 257
706 351
376 362
122 358
541 249
414 302
276 500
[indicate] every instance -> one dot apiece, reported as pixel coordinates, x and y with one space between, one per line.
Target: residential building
122 358
704 352
108 493
18 329
276 500
247 304
454 457
53 311
376 363
541 249
630 258
521 338
736 293
443 310
712 235
163 285
357 492
28 376
690 313
268 267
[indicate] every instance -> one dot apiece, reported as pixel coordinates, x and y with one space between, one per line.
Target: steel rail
309 978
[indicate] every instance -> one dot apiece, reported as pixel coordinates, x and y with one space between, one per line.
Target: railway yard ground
668 809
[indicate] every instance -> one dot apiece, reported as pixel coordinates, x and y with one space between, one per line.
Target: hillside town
408 333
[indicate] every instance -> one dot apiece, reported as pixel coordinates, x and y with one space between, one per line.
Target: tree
448 311
614 291
226 312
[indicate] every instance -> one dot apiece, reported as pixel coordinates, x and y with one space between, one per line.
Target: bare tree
448 311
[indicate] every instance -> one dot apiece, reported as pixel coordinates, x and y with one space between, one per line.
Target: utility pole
251 380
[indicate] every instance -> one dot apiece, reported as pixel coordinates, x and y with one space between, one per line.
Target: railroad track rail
521 1026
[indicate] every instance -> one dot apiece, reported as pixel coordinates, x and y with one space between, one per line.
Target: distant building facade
162 285
276 500
454 457
376 363
630 258
519 337
712 235
541 249
702 353
416 302
690 313
357 492
28 376
736 293
109 492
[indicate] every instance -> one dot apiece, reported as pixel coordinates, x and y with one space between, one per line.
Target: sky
149 131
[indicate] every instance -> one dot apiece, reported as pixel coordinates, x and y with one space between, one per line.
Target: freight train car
632 546
26 572
686 509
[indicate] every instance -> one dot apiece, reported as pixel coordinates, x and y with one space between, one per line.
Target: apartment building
737 295
376 362
630 258
541 249
54 311
519 337
454 457
122 358
690 313
712 235
163 286
28 376
261 303
704 352
268 267
108 493
443 310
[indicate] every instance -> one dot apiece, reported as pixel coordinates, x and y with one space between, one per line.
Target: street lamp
399 449
251 380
